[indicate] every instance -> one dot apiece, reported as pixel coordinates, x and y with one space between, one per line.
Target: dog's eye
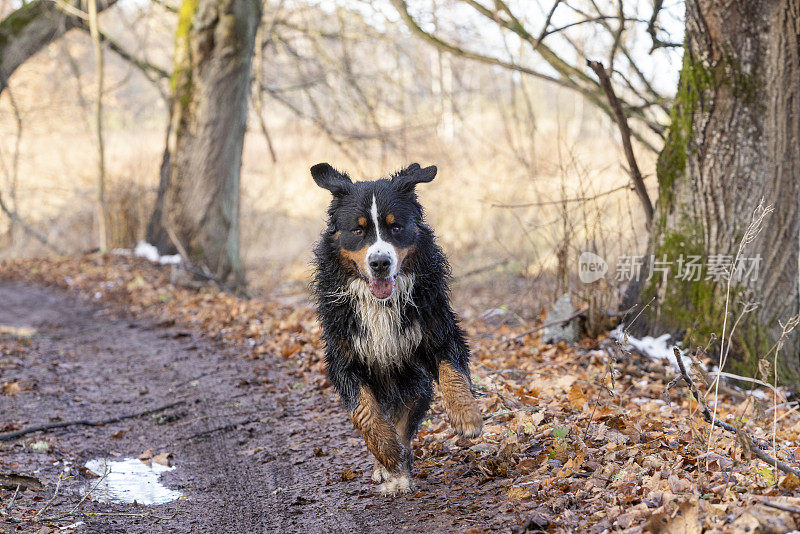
396 229
358 231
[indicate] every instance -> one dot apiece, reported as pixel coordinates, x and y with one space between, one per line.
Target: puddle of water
130 480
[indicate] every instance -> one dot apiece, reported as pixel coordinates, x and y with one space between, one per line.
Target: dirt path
266 455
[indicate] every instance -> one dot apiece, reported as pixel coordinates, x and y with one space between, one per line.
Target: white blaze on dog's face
374 223
381 260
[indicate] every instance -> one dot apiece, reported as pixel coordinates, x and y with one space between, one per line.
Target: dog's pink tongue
381 287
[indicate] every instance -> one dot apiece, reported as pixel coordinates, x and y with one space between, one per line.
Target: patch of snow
656 348
130 480
146 250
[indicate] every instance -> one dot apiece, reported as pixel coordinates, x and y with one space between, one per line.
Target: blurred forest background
531 168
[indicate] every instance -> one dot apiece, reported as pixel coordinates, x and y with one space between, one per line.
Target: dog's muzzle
381 279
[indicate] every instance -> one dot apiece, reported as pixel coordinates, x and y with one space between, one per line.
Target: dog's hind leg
381 438
462 408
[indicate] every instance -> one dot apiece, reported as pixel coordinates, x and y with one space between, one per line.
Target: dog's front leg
382 442
462 408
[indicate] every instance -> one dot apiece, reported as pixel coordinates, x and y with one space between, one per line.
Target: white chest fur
384 343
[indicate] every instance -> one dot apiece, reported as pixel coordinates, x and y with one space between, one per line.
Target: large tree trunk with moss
31 27
197 209
734 139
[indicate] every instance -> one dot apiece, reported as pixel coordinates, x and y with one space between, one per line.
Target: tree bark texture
197 209
734 139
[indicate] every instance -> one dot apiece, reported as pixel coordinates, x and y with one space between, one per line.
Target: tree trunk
33 26
734 139
197 209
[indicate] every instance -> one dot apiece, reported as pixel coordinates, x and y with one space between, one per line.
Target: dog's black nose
380 264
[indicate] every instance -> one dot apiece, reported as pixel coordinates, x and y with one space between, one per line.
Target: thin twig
781 507
483 269
86 422
755 447
14 216
13 500
546 24
563 201
651 29
53 498
541 327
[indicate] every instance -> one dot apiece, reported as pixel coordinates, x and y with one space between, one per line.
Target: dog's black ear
329 178
412 175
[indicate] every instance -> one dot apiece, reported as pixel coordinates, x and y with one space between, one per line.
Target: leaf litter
577 438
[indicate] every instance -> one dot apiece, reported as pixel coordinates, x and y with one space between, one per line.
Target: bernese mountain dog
381 288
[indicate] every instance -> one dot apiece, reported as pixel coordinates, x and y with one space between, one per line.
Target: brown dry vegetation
512 141
585 438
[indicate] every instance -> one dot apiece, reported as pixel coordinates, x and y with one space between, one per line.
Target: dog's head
374 224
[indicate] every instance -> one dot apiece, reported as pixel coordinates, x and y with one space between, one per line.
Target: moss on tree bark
732 141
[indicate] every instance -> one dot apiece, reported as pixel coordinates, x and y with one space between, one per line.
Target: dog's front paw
380 473
396 484
466 420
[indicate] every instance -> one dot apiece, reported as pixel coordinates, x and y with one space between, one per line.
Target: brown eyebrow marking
362 221
390 218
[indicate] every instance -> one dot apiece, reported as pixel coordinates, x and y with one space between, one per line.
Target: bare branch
27 228
85 422
563 201
546 24
541 327
570 77
625 134
755 447
151 71
33 26
651 29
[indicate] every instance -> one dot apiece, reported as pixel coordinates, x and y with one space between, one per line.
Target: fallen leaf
165 458
516 493
11 388
576 396
347 476
789 483
684 520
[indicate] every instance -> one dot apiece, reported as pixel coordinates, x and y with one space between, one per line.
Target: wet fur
394 349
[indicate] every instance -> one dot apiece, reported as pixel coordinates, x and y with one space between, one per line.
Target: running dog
381 288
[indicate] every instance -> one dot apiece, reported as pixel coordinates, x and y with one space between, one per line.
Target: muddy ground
254 450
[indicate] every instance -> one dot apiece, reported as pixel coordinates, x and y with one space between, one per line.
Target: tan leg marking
377 431
462 408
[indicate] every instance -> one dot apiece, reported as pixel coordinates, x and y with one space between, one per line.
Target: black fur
442 337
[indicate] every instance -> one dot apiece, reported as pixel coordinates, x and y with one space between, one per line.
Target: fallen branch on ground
783 507
85 422
755 448
541 327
